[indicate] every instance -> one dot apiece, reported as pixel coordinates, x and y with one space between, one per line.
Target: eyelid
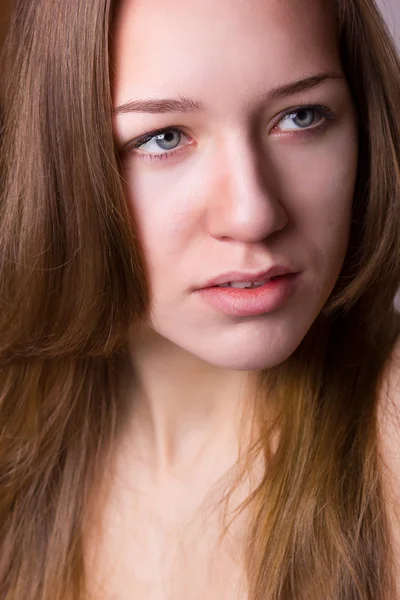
324 111
151 134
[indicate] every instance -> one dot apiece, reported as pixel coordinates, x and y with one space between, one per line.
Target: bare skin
156 533
249 187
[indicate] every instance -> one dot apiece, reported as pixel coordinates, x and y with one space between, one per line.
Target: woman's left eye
164 143
305 117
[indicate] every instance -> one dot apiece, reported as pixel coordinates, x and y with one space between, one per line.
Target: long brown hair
73 280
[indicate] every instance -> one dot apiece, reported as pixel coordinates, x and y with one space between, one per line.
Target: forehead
192 48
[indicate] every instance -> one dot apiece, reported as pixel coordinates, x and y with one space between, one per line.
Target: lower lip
241 302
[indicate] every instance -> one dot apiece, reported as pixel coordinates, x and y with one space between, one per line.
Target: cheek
167 217
316 183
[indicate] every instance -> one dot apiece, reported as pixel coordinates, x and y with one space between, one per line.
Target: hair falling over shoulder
73 280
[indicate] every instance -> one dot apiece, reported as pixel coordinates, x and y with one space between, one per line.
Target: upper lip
241 276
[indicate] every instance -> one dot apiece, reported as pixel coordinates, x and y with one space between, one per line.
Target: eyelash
320 108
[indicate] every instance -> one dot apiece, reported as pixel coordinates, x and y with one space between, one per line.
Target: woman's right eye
164 136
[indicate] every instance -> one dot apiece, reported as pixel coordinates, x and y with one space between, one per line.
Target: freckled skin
242 193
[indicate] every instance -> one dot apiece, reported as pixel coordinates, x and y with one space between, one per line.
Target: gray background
391 11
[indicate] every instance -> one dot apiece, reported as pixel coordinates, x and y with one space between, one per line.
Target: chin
246 345
263 352
251 361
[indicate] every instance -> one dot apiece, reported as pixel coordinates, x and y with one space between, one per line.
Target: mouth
248 280
245 299
247 285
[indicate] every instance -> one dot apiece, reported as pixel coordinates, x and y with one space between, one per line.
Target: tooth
245 284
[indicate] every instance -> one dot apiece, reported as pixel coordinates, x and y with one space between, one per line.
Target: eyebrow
185 105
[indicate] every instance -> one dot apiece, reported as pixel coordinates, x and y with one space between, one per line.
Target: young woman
199 252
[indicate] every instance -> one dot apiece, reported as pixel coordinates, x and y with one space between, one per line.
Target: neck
184 410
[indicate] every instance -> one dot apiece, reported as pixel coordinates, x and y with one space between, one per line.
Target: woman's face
242 179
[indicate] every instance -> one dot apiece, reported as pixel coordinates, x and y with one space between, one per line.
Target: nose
244 205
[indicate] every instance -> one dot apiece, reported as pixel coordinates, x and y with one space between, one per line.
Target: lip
248 302
241 276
